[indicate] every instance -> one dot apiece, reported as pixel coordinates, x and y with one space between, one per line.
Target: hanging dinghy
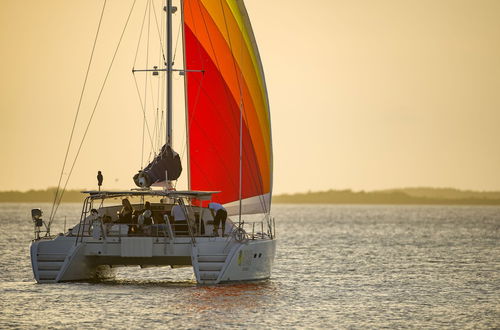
167 163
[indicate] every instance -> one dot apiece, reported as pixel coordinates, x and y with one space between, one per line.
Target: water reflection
147 283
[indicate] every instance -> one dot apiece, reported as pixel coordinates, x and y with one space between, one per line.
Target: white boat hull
252 261
214 259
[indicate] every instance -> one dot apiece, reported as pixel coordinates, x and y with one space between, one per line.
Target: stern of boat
60 259
221 261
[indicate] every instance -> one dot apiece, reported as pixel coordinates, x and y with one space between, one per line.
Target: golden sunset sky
364 94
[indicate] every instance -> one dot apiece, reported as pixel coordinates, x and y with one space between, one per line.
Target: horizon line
281 193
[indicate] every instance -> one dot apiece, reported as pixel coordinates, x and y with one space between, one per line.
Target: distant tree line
428 196
40 196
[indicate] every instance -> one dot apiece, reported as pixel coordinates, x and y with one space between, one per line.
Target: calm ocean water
336 267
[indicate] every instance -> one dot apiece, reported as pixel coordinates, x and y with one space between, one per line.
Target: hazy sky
364 94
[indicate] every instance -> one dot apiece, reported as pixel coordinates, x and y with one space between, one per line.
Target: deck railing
258 229
250 230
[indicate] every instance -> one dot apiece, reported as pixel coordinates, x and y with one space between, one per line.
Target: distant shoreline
40 196
404 196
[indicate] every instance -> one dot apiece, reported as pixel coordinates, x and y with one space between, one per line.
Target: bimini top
201 195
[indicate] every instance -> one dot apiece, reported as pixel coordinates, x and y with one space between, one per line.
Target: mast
186 111
168 45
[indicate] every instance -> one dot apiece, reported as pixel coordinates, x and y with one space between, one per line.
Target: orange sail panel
227 101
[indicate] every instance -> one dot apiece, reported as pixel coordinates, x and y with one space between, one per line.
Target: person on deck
146 217
178 213
181 226
125 214
219 214
96 224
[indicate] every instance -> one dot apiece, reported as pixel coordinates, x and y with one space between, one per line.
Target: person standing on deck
219 214
146 217
181 226
125 214
178 213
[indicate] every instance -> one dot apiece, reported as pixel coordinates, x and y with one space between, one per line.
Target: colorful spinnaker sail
228 108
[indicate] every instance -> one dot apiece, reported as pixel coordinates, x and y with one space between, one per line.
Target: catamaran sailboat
229 160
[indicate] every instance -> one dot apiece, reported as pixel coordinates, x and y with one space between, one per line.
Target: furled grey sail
166 163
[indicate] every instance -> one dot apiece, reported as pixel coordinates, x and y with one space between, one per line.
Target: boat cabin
171 214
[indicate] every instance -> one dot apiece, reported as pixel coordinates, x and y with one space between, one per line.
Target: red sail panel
219 41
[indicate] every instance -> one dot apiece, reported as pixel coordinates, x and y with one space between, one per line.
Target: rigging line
204 174
155 127
256 182
142 108
156 110
242 111
177 41
232 53
227 92
199 51
241 106
162 134
77 111
155 130
162 130
93 111
158 82
140 34
195 107
256 179
159 114
159 33
161 86
146 86
152 151
189 119
217 153
195 32
191 116
153 106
